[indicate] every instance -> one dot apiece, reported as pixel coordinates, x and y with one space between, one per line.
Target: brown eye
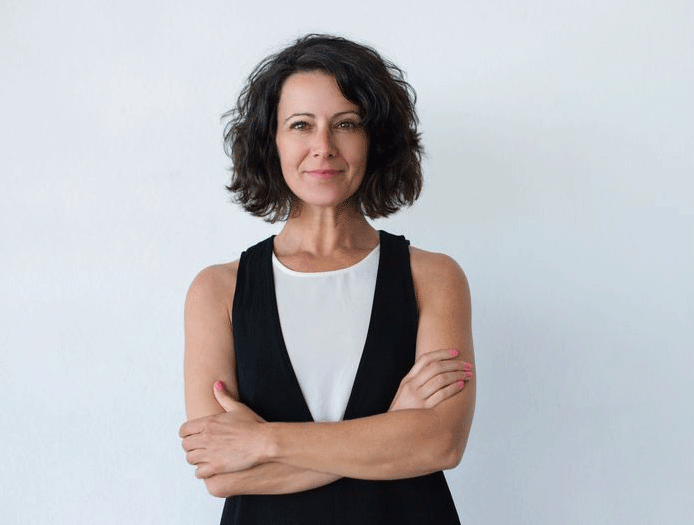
347 125
299 124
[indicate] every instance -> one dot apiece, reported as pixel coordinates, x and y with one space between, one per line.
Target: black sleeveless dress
267 384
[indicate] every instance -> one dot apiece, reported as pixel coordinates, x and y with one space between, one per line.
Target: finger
191 427
444 393
223 397
203 471
437 355
193 442
438 367
440 381
207 470
195 457
187 447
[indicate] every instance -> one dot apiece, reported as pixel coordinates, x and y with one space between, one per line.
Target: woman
328 371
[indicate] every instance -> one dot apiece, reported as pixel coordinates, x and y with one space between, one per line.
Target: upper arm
209 346
443 298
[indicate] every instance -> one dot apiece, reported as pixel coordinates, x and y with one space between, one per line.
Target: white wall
559 175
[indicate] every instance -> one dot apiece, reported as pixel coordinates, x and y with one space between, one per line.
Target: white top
324 318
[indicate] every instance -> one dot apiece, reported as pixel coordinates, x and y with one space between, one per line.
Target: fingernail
453 352
461 384
467 375
219 385
467 365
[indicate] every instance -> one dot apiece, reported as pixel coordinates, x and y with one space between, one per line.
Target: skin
427 427
318 128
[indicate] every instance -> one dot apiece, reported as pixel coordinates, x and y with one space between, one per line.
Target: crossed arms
424 431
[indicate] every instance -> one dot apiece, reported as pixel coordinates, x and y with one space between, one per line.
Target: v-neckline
284 354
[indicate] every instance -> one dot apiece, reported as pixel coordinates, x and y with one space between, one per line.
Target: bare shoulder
214 284
437 276
209 345
218 274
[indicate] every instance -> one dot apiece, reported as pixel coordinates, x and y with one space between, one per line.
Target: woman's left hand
223 443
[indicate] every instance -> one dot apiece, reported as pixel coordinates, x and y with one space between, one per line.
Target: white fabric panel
325 318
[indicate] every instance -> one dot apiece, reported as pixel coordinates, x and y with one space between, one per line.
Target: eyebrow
313 116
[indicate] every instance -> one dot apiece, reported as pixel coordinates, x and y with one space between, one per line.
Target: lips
324 174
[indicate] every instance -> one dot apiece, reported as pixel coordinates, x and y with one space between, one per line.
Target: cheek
281 148
356 148
364 147
289 151
360 151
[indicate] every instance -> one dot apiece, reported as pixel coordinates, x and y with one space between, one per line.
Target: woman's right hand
434 377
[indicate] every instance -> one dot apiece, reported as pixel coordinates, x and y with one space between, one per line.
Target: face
321 143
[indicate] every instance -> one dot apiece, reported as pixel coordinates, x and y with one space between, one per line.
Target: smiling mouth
324 173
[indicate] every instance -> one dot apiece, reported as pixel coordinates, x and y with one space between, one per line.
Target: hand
434 377
228 442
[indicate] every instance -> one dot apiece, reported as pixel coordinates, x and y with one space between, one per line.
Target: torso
424 266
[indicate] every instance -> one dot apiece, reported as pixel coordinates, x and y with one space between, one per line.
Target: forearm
267 478
395 445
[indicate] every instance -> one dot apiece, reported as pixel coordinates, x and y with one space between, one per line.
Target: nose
323 144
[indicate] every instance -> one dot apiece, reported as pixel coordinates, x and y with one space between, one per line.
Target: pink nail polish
468 375
461 384
219 385
453 352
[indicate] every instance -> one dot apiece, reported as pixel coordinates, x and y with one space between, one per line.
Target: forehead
314 92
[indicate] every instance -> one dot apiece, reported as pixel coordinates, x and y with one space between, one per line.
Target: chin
326 202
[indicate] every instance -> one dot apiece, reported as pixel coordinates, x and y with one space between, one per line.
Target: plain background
558 173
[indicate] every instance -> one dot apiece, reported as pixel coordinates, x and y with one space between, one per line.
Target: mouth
324 174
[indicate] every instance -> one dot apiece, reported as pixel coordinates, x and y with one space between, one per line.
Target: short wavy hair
393 176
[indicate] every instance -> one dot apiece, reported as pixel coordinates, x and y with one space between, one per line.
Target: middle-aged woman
328 371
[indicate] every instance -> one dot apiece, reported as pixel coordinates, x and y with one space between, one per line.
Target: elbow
452 452
452 458
217 488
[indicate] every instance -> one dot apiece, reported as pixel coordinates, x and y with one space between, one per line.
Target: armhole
409 278
236 301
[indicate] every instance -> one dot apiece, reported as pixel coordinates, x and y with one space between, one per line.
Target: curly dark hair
393 176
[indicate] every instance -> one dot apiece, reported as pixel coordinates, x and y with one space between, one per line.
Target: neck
325 232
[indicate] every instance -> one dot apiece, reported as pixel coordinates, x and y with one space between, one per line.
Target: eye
348 125
299 124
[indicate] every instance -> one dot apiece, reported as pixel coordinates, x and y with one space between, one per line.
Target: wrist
269 440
